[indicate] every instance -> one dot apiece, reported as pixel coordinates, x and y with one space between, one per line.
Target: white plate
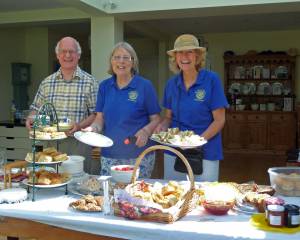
48 163
77 187
93 139
198 144
49 139
25 182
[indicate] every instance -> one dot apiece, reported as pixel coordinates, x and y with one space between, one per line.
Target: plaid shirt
73 99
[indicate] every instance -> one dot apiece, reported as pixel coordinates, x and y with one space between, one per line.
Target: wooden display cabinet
261 124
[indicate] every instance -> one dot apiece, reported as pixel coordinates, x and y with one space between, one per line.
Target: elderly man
73 93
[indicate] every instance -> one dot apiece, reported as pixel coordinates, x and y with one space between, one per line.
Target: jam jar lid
274 201
291 208
275 208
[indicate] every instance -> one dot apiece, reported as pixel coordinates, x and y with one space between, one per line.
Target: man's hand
29 122
75 128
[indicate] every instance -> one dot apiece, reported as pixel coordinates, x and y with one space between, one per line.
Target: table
50 218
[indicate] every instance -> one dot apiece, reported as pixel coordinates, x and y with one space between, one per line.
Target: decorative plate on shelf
252 88
248 88
235 88
277 88
264 88
281 72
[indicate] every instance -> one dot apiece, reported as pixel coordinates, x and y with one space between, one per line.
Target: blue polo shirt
192 109
125 112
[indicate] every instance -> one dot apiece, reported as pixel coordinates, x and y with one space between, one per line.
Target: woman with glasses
194 100
127 106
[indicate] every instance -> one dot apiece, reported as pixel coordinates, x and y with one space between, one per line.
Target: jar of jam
272 201
275 215
291 215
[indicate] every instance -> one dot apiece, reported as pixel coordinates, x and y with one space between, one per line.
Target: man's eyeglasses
65 51
122 58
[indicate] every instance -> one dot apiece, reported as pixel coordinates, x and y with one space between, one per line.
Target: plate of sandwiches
48 156
47 179
175 138
39 135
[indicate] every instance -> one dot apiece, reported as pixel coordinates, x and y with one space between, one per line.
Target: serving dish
123 173
285 180
25 182
175 138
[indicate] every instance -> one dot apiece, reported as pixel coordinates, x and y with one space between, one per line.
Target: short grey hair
133 55
200 62
78 47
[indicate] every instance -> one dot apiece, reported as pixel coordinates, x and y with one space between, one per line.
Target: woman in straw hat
194 100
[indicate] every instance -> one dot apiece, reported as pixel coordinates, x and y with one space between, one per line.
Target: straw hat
185 42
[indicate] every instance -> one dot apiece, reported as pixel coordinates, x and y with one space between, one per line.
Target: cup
271 106
262 107
238 101
254 106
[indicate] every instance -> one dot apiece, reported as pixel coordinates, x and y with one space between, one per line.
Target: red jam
275 215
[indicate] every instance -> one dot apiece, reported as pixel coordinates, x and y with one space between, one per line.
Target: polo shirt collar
199 80
132 84
76 75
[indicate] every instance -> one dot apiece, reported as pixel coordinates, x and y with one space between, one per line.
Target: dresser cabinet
260 131
255 141
261 124
14 142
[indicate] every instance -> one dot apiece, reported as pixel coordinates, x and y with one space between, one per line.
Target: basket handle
162 147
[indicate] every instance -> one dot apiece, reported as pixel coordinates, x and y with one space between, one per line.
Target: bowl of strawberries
123 173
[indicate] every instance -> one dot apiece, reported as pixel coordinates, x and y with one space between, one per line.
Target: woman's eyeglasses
122 58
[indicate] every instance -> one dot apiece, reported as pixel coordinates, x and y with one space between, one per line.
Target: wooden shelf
256 140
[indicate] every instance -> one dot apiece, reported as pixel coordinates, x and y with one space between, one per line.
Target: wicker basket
189 198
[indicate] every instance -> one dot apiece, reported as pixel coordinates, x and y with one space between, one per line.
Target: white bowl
240 107
254 106
123 173
73 166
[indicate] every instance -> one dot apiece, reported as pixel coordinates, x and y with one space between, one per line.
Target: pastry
44 158
60 157
88 203
44 180
49 129
49 150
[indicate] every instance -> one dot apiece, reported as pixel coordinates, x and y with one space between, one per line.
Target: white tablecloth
51 207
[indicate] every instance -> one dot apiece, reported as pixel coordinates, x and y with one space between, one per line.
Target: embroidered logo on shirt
133 95
200 95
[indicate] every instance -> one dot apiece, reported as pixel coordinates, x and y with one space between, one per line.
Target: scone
60 157
44 158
